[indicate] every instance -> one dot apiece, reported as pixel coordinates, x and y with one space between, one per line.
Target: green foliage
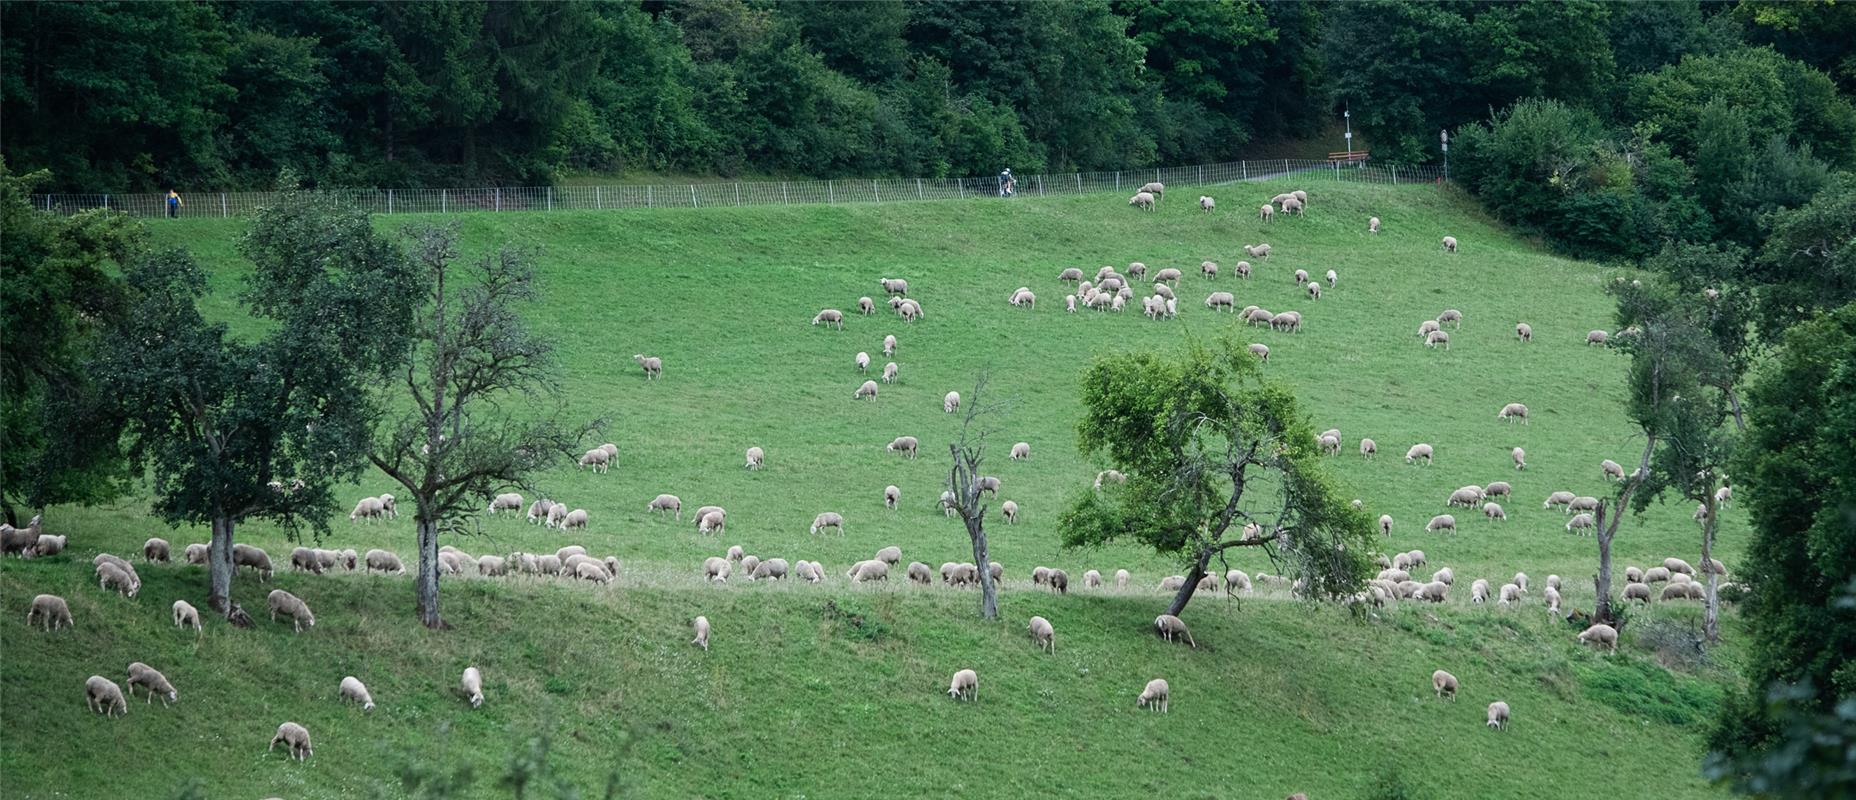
1640 688
1809 262
58 425
1795 475
1810 754
1774 93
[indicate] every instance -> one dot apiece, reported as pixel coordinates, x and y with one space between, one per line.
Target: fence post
389 201
1244 167
873 191
783 198
444 201
958 184
1079 183
1201 173
918 190
550 198
693 202
1117 180
1337 170
831 192
648 201
499 200
599 198
1394 174
106 202
1040 186
737 194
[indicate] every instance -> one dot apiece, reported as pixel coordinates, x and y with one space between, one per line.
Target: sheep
1168 275
1513 411
1043 635
1258 251
829 317
1600 634
906 445
549 565
1553 600
1417 558
49 545
295 739
1449 244
366 508
1154 696
1092 579
1612 470
1261 351
895 286
1155 188
1172 583
866 390
1441 522
577 518
1675 565
1058 582
1520 580
1418 451
1656 575
1300 276
1266 212
1561 499
715 569
244 555
1443 683
300 615
1070 275
508 501
1290 321
1479 591
152 550
384 561
492 566
1314 290
1510 594
1494 512
652 365
111 576
1171 628
1597 338
987 484
1498 489
1498 715
1637 591
1524 332
966 684
353 690
1444 576
1300 196
1224 299
1385 524
1235 581
701 626
103 696
1435 338
1333 278
1142 200
153 682
920 573
52 612
1467 497
666 502
889 345
538 511
1435 591
1580 523
948 503
1330 445
828 519
1674 591
1024 298
1208 270
596 458
1121 579
1372 225
1010 510
865 306
1582 503
303 559
1451 315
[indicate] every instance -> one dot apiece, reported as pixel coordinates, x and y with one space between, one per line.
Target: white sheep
300 615
1498 715
1602 635
1479 591
1121 579
889 345
895 286
906 445
384 561
866 306
103 696
1512 411
701 626
1494 512
352 690
1524 331
153 682
1580 522
1010 510
51 611
1142 200
652 365
576 520
666 502
1070 275
1291 206
508 501
1582 503
597 458
111 576
1314 290
866 571
1261 351
891 496
1385 524
1372 225
1300 277
1218 299
1418 451
1449 244
295 739
1597 338
1443 683
966 684
756 458
366 508
866 390
1172 628
1435 338
184 614
716 569
828 519
1024 298
1043 635
829 317
1441 522
1510 594
1258 251
50 545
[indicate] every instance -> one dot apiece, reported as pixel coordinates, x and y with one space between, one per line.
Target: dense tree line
142 96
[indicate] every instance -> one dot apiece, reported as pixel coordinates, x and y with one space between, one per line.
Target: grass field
832 691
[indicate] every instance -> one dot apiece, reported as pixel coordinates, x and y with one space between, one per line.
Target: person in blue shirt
1006 183
174 204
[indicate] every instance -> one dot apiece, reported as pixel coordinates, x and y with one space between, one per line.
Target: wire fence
758 193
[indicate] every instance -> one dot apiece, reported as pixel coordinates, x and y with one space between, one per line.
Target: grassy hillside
799 698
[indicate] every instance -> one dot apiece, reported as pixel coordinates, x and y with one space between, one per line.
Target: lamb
889 372
1580 523
300 616
153 682
966 684
1553 600
1266 212
538 511
1467 497
1449 244
1142 200
1498 715
1562 499
1524 331
1155 188
1441 522
866 390
1171 628
1494 512
1418 451
1513 411
701 626
1300 196
353 690
1258 251
1301 277
1154 697
1291 206
1121 579
51 611
1600 634
111 576
1290 321
244 555
492 566
905 445
1043 635
1520 458
829 317
1385 524
384 561
1372 225
1435 338
1596 338
666 502
828 519
1261 351
1443 683
1510 594
1010 510
895 286
756 458
1217 299
103 696
652 365
1333 278
596 458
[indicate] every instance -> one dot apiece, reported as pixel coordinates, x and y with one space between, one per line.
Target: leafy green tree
1215 458
1399 68
1794 475
1541 48
1775 94
59 429
1809 262
236 429
471 353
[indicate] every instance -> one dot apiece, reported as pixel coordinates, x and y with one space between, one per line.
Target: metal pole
1244 166
1117 180
783 197
106 202
1079 183
389 201
648 201
1040 186
693 202
958 183
737 193
599 198
499 200
444 201
918 190
550 198
831 193
873 192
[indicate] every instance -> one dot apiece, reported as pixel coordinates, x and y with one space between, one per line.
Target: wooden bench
1348 156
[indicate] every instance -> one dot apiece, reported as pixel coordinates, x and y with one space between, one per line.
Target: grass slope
798 699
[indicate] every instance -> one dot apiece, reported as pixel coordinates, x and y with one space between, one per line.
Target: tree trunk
989 591
427 581
1733 401
1711 608
1193 576
12 517
1601 611
219 565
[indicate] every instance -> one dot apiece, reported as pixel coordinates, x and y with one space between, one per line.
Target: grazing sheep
244 555
895 286
1524 331
1301 277
889 372
1580 523
1637 591
1435 338
756 458
1329 444
1444 576
1597 338
1498 715
1224 299
103 696
1121 579
1441 522
905 445
1612 470
1466 497
1494 512
1266 212
1043 635
53 612
966 684
1582 503
947 503
1449 244
303 559
508 501
987 484
1656 575
1520 580
889 345
828 519
1261 351
1314 290
295 739
384 561
152 550
920 573
1290 321
1479 591
1023 298
1059 581
1209 270
597 458
1155 188
492 566
1561 499
1236 581
1333 278
1372 225
300 616
1443 683
153 682
1070 275
1676 565
538 511
1451 315
1291 206
1418 451
185 614
891 496
701 626
111 576
1258 251
353 690
1142 200
577 518
1435 591
1428 327
1154 697
771 569
1675 591
49 545
1498 489
866 390
866 306
1510 594
652 365
666 502
366 508
716 569
1600 634
1512 411
1171 628
1300 196
1010 510
1385 524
